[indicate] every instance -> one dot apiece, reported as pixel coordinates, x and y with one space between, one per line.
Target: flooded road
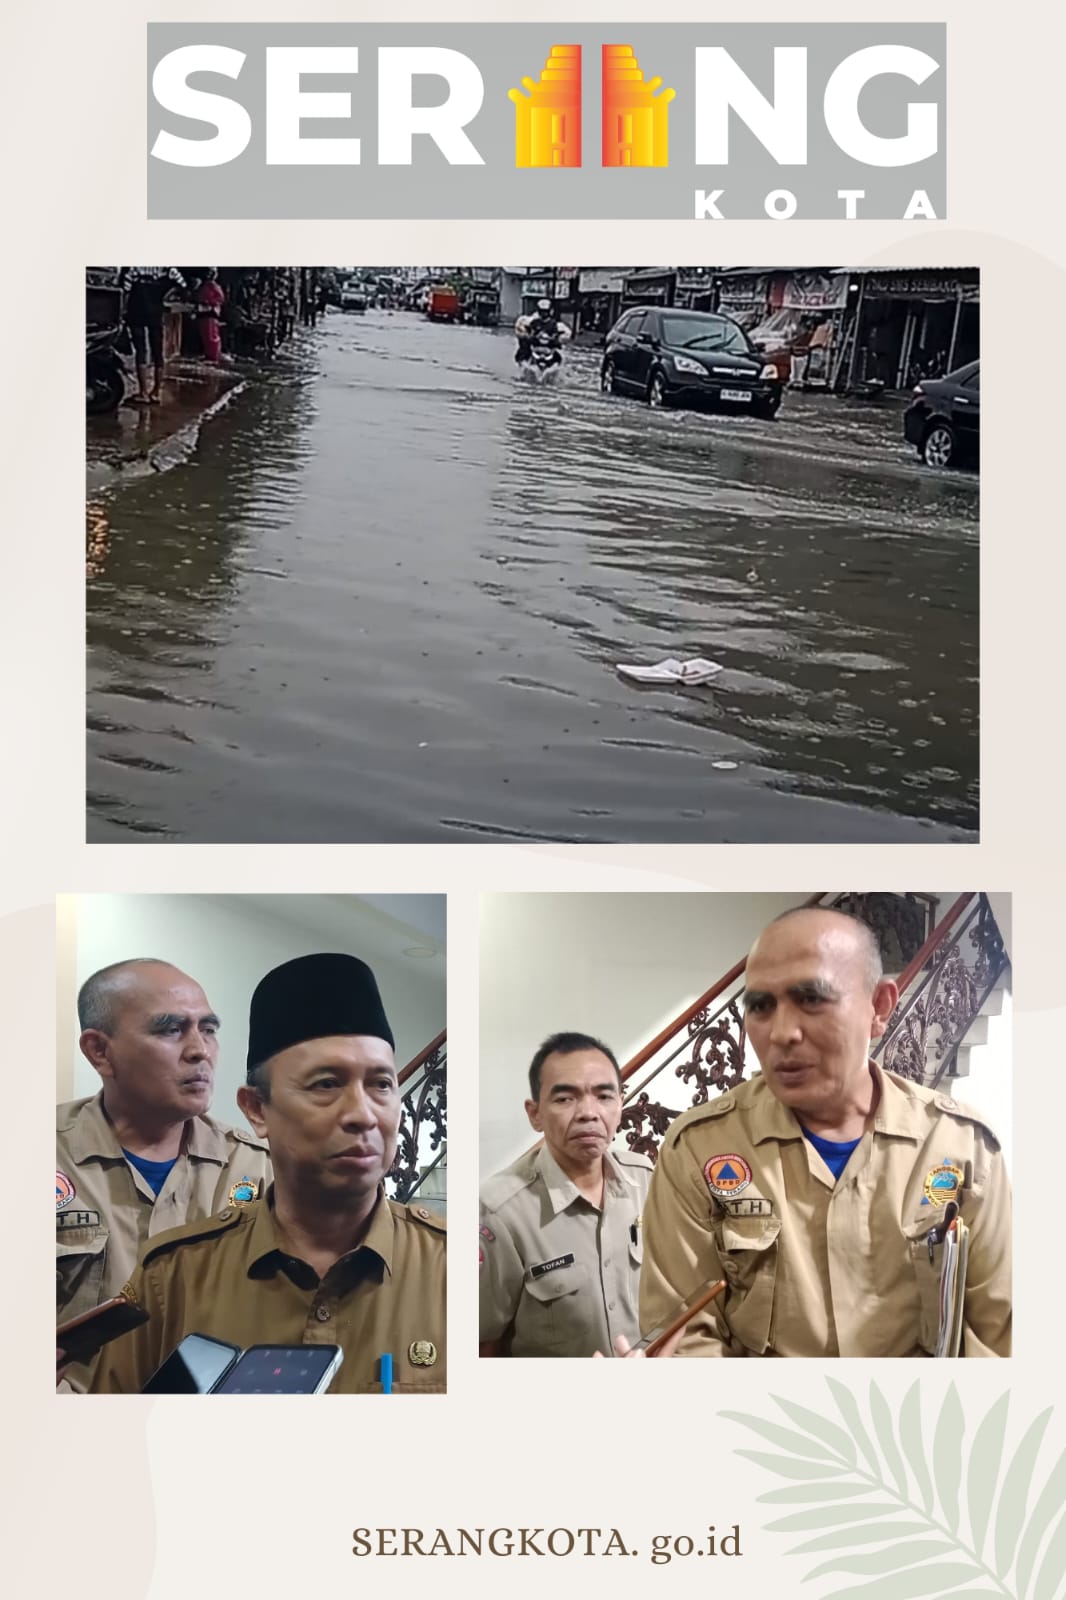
382 592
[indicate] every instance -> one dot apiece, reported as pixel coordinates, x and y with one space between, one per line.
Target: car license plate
736 394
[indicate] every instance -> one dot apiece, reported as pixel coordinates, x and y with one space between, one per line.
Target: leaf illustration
1015 1494
835 1437
785 1438
867 1533
791 1469
887 1439
829 1517
982 1474
839 1489
947 1456
1049 1502
1053 1565
912 1437
893 1559
850 1412
908 1585
857 1510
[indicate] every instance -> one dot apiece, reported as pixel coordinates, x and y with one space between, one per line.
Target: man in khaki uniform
560 1243
142 1156
324 1258
820 1188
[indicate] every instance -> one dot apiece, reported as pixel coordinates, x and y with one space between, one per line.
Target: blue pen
385 1362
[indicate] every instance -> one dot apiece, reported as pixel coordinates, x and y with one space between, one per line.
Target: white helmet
544 306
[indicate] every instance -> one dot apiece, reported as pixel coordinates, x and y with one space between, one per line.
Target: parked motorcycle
105 372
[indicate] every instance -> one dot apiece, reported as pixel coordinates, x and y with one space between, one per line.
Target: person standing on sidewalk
209 302
146 289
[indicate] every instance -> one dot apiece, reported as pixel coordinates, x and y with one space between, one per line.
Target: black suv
688 357
944 418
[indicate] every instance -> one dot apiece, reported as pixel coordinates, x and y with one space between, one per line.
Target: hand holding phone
83 1337
653 1342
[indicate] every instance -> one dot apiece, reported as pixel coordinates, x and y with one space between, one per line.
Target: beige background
140 1498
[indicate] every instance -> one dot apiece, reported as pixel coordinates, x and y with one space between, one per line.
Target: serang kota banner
515 120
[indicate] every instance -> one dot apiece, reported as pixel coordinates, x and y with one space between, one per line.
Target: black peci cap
314 997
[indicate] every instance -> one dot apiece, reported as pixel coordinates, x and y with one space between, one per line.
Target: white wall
228 942
619 966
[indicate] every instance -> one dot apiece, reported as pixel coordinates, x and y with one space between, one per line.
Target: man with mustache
324 1257
821 1187
560 1235
142 1155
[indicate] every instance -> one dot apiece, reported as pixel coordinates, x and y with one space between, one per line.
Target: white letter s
171 89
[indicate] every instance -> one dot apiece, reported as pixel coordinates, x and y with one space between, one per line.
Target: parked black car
697 358
944 419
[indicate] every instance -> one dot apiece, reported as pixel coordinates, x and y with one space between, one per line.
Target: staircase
988 1028
953 977
421 1163
943 994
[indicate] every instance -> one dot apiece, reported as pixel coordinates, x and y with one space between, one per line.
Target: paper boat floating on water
696 670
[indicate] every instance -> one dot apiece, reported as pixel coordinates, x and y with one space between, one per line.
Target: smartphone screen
194 1367
282 1369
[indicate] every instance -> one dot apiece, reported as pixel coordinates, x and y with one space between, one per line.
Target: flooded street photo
379 588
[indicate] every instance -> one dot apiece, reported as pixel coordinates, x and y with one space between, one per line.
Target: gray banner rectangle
247 186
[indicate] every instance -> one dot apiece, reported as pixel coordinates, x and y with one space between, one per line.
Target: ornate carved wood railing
705 1045
423 1141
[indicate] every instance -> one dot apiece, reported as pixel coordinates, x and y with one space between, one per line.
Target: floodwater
381 595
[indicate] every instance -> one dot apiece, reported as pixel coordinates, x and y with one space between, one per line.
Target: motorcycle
545 357
105 372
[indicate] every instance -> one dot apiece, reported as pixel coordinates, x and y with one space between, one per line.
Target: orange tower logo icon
635 131
548 117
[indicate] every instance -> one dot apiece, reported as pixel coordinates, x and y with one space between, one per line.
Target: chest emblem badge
942 1184
727 1175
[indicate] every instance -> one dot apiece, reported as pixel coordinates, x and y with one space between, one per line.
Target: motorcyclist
543 320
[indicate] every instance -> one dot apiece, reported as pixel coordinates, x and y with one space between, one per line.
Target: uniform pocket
81 1257
926 1275
554 1316
747 1249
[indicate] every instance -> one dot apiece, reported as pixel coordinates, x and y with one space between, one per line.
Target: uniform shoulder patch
964 1113
632 1158
246 1136
696 1114
419 1213
226 1219
65 1190
503 1186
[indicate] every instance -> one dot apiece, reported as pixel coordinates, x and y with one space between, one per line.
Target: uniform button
610 1305
322 1313
420 1211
